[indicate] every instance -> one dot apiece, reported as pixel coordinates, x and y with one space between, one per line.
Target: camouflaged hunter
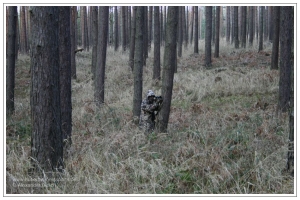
149 109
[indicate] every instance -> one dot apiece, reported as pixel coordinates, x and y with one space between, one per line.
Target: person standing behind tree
150 107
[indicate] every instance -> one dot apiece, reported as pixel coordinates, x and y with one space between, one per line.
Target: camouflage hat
150 93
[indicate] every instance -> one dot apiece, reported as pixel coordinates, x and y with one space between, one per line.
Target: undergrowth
224 136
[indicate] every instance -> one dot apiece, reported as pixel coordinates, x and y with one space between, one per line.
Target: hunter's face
151 99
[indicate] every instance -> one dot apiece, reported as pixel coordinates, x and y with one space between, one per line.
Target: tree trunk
270 22
180 31
23 39
187 25
261 19
156 64
217 42
73 31
200 23
132 40
287 31
192 24
101 55
46 138
184 26
116 32
95 38
65 73
232 24
213 20
227 24
111 26
286 38
236 30
128 25
145 34
265 23
150 27
196 39
124 10
244 27
251 26
86 31
208 32
138 64
275 47
168 67
11 59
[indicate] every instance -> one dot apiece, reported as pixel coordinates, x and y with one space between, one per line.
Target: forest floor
224 136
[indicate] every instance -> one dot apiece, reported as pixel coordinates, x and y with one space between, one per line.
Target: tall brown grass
223 135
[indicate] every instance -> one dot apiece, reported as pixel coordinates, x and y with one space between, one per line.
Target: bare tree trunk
73 31
217 42
196 39
184 26
168 67
46 138
12 16
156 64
208 32
236 30
261 19
270 22
65 73
192 24
116 32
86 32
128 25
227 24
138 63
286 80
244 27
286 38
124 10
265 23
95 38
150 27
275 47
132 40
145 34
251 26
101 55
23 42
179 29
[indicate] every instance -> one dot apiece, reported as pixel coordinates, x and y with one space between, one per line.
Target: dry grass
223 138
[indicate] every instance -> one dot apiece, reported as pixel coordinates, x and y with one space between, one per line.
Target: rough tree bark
217 41
138 64
227 24
101 55
168 67
275 47
261 33
65 73
46 138
116 33
95 38
73 31
132 40
236 29
196 34
11 59
208 32
156 64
